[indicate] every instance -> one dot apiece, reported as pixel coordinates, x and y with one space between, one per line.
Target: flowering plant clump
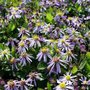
44 44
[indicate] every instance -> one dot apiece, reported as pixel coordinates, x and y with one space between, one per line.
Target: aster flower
47 28
58 33
5 53
23 31
63 86
68 78
13 63
87 35
26 1
12 42
54 66
22 47
23 84
35 41
84 81
39 27
44 53
14 12
51 42
11 85
24 57
64 43
33 77
69 55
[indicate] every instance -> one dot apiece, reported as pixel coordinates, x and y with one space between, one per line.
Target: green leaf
49 17
88 67
49 86
74 69
88 55
39 89
12 26
82 64
41 66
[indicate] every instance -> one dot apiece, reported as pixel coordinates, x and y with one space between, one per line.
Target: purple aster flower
51 42
84 81
26 1
65 44
63 86
47 28
23 84
24 57
13 63
83 48
44 53
55 65
33 77
87 35
22 47
11 85
69 55
23 31
2 82
14 12
68 78
58 33
12 42
35 41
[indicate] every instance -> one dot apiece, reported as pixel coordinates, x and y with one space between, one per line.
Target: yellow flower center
24 54
85 82
22 29
69 52
35 37
44 50
51 40
62 40
4 52
21 44
68 77
62 85
12 60
38 24
24 37
11 83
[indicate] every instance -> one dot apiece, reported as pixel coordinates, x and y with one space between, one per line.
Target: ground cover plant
44 44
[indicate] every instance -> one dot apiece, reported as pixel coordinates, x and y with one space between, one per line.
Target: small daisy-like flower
68 78
23 31
55 65
44 53
22 47
63 86
87 35
33 77
24 57
5 53
84 81
12 42
69 55
26 1
23 84
11 85
13 63
35 41
51 42
64 43
14 13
